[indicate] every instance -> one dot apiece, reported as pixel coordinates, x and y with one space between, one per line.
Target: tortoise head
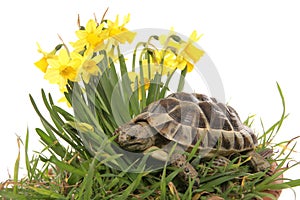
135 136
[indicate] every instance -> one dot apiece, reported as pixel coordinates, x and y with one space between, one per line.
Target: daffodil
185 52
111 50
119 32
90 38
194 37
189 51
133 76
43 64
166 58
178 62
89 67
62 68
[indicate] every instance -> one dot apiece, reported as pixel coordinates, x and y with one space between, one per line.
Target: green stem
182 80
134 54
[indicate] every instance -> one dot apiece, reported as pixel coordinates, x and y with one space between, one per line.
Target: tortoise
190 119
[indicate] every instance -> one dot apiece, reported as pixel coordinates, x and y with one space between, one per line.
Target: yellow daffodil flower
132 76
189 51
64 67
119 32
90 38
179 62
169 64
194 37
89 67
42 64
186 52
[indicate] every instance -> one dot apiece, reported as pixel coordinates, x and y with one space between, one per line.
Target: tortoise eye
132 137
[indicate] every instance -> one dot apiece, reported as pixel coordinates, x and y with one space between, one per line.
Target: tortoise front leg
188 171
178 161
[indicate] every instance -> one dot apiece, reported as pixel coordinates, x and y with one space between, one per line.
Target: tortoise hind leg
258 162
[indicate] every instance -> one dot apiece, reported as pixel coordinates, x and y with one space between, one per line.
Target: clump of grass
73 173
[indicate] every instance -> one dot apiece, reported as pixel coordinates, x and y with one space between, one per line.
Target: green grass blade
10 195
27 162
16 168
47 193
53 144
86 190
131 188
67 167
283 106
266 182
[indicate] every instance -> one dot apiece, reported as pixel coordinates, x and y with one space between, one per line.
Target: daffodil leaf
182 80
123 67
154 89
55 118
134 100
143 92
49 128
67 116
53 144
73 133
166 85
113 73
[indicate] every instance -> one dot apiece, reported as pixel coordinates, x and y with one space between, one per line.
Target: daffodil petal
91 26
42 64
52 75
192 52
63 57
53 62
81 34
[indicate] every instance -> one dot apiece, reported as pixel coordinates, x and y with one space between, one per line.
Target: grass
73 173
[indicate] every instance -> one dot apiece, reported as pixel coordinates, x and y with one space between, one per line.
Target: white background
252 43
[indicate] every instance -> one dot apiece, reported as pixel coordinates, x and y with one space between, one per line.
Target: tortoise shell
191 118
